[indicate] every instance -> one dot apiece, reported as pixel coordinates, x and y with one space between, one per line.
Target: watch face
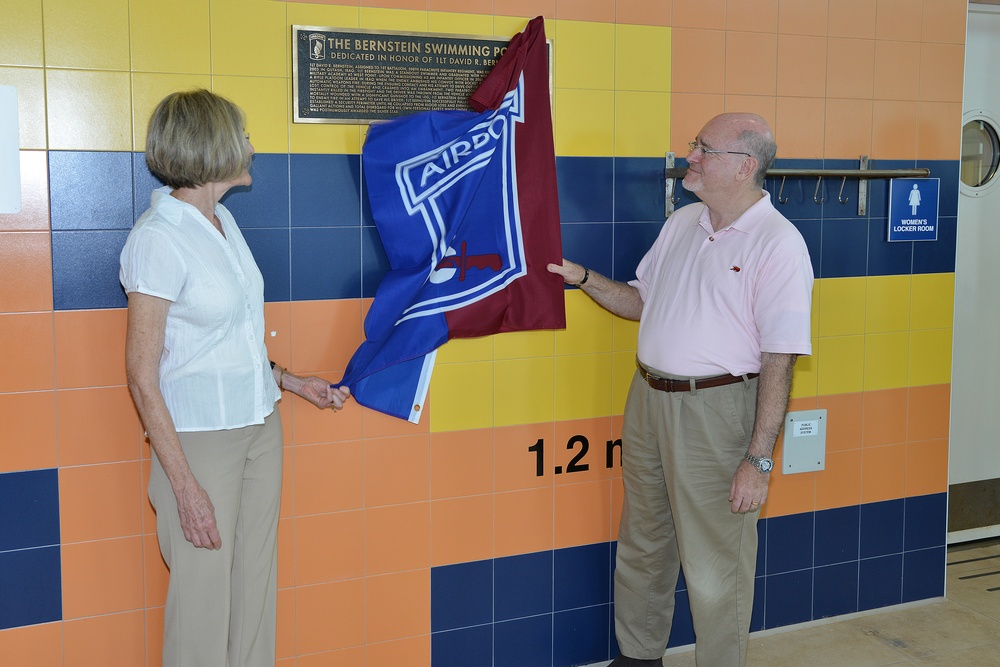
765 465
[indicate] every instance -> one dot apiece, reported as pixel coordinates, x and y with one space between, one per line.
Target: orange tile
848 128
34 214
285 639
643 12
844 419
898 19
329 616
799 126
752 15
850 69
29 431
617 502
944 21
790 494
751 76
154 636
894 129
327 478
156 575
377 425
526 8
698 66
522 522
286 552
32 368
309 425
98 425
839 485
896 78
329 547
461 530
277 331
286 502
517 467
883 473
348 657
27 282
99 502
936 123
885 417
852 18
397 538
801 66
324 334
705 14
33 644
803 17
102 577
926 467
461 463
941 72
412 651
929 412
461 6
115 639
90 348
688 115
146 507
582 514
579 444
398 606
284 409
396 470
586 10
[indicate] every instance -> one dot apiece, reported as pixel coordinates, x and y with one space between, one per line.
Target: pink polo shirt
713 301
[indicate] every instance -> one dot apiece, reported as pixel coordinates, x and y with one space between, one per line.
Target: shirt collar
747 222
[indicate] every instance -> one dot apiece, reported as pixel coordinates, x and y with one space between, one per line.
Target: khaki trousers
679 453
221 604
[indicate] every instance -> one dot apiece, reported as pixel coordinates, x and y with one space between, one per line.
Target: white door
974 476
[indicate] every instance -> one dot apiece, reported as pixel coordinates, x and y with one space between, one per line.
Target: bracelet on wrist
281 380
586 277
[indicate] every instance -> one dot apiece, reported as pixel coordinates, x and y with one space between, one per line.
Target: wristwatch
760 463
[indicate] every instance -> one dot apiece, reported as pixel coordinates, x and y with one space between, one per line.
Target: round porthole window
980 154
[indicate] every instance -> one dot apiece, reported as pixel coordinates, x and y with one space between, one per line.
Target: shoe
625 661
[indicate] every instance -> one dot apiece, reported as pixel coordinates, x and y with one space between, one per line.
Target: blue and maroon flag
466 205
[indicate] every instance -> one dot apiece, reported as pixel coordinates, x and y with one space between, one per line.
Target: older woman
199 374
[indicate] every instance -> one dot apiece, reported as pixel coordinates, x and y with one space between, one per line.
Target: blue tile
926 522
845 248
85 269
523 585
632 241
586 188
790 543
579 637
880 582
761 546
885 258
881 528
812 234
461 595
878 188
682 625
326 263
30 587
90 190
366 206
835 590
937 256
270 251
469 647
798 192
639 190
758 616
374 263
789 599
143 184
924 574
591 245
265 202
526 642
834 190
837 535
29 509
325 190
582 576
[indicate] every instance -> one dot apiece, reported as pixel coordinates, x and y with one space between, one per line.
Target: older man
723 303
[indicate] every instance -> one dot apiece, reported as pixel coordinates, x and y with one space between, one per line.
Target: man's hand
571 273
749 489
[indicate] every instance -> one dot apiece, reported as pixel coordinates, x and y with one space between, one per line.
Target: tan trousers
221 604
679 453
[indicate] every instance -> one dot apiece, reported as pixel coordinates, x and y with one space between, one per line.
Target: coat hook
781 190
819 182
675 200
840 197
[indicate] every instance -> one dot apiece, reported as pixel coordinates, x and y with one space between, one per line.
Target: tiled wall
471 538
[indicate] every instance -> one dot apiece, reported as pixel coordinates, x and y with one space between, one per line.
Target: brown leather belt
668 384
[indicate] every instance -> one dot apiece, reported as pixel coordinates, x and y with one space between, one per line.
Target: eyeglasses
698 146
246 135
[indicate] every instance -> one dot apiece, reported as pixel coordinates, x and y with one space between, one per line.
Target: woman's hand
197 514
321 393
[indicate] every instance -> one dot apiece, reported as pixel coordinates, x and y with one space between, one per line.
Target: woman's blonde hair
196 137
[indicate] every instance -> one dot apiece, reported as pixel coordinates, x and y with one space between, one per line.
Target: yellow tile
524 390
461 350
508 26
332 16
461 397
583 387
930 357
249 38
30 85
842 306
265 101
933 301
622 370
585 55
814 314
22 32
524 344
805 377
147 91
89 110
376 18
888 306
86 35
887 360
642 124
325 138
584 133
841 365
625 334
460 24
642 58
588 326
170 41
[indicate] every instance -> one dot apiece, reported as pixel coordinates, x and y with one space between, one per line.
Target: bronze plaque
356 76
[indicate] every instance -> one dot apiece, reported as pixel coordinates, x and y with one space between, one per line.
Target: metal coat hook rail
864 174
